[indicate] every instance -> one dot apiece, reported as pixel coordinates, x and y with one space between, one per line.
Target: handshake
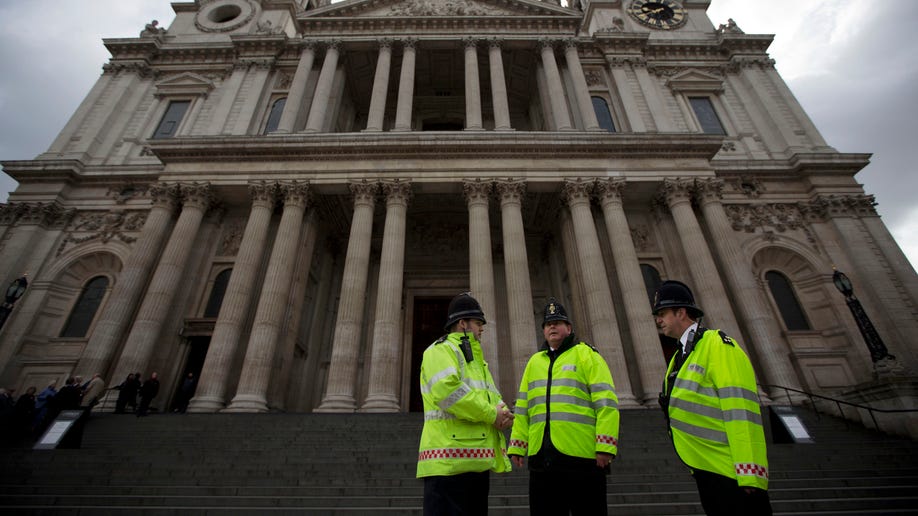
504 418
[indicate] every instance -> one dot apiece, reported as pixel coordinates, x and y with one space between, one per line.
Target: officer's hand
517 460
604 459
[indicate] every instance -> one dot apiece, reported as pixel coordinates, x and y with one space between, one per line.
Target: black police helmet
554 311
675 294
463 306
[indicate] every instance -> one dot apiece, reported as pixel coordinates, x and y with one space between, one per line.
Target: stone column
516 265
254 86
644 339
706 283
380 86
384 363
769 345
596 287
498 87
581 90
472 86
160 295
210 395
623 89
555 86
481 267
251 395
297 90
317 111
339 392
655 101
406 86
228 91
129 286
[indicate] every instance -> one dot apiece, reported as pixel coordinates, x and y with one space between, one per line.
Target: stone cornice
811 163
338 146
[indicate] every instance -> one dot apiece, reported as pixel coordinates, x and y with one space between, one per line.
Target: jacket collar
569 342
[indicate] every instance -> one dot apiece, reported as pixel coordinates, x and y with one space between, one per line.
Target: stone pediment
695 80
439 8
184 84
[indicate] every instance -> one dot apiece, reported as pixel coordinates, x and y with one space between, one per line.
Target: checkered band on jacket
456 453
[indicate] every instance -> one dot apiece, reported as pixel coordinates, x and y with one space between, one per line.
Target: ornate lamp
13 293
874 343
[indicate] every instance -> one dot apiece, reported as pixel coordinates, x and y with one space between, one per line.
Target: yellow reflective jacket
460 402
571 391
714 415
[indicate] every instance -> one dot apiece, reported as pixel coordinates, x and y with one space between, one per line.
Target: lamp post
13 293
875 344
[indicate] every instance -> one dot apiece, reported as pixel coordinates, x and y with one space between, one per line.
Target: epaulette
590 346
441 340
723 337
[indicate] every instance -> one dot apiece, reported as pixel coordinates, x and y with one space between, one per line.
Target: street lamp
875 344
13 293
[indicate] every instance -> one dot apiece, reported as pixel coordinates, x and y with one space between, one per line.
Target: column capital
676 190
363 192
709 190
577 191
411 43
546 43
396 191
511 190
622 62
198 195
477 191
470 42
332 44
495 42
307 44
611 189
294 193
570 43
164 195
385 43
262 192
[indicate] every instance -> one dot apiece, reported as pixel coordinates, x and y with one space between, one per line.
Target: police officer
464 416
566 422
711 405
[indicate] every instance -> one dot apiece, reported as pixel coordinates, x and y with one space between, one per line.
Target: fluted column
322 95
555 86
770 347
472 86
406 86
644 340
380 86
295 95
516 264
481 267
604 327
129 286
498 87
617 66
148 324
707 284
339 392
581 90
251 394
210 394
384 363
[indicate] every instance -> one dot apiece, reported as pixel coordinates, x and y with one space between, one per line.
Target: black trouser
577 492
721 496
465 494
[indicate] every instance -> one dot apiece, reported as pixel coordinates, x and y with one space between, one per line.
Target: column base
380 403
247 403
205 404
628 401
337 404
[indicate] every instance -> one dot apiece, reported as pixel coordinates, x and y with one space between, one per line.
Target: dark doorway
429 316
197 352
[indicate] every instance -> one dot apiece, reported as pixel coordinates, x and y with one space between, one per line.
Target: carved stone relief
102 226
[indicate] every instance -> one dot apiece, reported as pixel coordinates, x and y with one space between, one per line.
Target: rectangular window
707 117
171 120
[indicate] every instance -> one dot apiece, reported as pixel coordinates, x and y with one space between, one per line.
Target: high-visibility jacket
571 392
714 415
460 402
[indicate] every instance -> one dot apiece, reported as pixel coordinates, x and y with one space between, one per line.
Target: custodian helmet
675 294
554 311
463 306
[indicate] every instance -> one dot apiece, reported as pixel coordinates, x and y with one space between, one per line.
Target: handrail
838 403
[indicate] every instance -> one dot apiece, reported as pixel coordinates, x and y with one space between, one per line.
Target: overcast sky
851 64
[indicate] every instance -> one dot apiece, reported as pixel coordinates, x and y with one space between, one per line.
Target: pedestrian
24 414
148 391
186 392
127 391
711 405
566 422
464 417
43 406
92 392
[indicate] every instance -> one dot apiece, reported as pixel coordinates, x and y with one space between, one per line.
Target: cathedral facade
280 197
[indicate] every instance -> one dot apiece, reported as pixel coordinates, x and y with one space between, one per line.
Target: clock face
658 14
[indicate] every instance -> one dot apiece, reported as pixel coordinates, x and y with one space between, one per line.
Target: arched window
783 294
84 311
217 293
277 109
603 115
651 280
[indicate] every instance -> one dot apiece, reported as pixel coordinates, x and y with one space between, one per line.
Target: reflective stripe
743 415
690 385
738 392
745 469
704 433
435 415
478 384
535 384
455 396
560 398
716 413
604 402
567 382
601 387
436 378
564 416
456 453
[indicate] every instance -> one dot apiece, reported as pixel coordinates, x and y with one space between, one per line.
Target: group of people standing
129 390
565 421
31 413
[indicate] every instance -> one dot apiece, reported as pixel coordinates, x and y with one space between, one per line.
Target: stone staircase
365 463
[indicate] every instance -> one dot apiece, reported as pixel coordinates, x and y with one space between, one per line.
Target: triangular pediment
439 8
186 83
695 80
